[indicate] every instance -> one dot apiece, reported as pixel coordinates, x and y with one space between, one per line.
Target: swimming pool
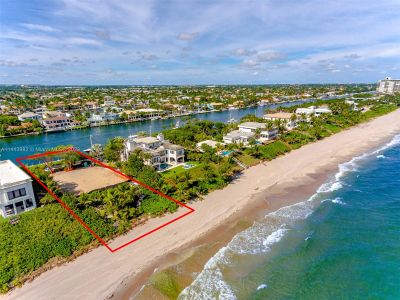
164 167
226 152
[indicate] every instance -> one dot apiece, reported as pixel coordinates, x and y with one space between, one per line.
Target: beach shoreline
263 188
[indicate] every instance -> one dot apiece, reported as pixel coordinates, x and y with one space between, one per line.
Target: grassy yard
332 128
180 169
247 159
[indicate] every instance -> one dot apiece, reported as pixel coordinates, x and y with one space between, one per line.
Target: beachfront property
313 110
284 117
162 153
29 116
388 86
268 135
353 105
210 143
238 137
249 131
16 192
251 126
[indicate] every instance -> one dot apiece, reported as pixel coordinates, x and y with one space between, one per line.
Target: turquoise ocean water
342 243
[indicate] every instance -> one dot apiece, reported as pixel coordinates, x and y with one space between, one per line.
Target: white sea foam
394 142
330 187
380 156
262 286
257 239
338 200
209 285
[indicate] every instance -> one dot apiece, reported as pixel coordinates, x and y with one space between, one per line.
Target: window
28 203
16 194
9 210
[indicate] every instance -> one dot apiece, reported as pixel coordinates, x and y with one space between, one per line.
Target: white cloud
39 27
250 63
243 52
269 56
187 36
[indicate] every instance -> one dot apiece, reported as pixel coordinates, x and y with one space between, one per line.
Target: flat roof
252 125
146 140
10 173
168 145
238 133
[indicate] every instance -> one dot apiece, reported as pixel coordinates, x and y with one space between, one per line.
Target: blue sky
198 42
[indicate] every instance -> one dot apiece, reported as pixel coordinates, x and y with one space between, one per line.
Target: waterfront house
251 126
160 152
16 192
268 135
284 117
247 132
210 143
57 123
52 114
312 110
29 116
149 113
237 137
101 118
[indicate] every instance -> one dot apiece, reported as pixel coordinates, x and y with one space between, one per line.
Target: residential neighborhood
83 107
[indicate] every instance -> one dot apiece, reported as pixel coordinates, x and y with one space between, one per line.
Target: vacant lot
87 179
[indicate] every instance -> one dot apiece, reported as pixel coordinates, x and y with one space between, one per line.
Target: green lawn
247 159
180 169
332 128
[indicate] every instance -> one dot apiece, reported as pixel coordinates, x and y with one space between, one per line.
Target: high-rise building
388 86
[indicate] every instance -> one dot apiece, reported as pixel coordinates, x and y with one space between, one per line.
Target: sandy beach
101 274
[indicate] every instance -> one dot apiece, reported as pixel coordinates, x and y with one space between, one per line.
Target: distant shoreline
100 274
165 117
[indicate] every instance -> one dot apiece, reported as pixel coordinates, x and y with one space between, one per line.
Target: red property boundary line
20 159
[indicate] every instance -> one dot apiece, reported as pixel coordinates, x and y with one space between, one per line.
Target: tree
96 151
135 164
113 149
123 116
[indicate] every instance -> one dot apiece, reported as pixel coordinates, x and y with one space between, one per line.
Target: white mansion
16 193
161 151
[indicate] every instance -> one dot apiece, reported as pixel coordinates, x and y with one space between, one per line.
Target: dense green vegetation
10 125
51 233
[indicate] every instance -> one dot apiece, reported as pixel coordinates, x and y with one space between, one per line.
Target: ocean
341 243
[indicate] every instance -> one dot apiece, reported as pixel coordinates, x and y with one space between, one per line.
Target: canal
14 147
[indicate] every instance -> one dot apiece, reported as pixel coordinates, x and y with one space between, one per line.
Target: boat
177 124
231 121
